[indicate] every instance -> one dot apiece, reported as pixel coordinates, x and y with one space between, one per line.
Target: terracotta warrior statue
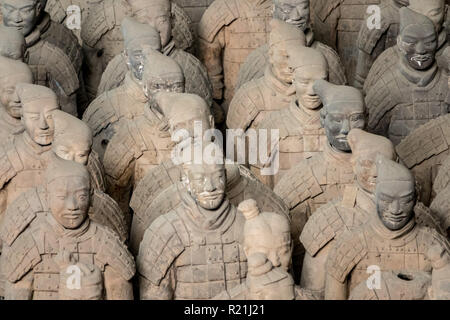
202 236
24 157
300 132
372 42
323 177
63 240
228 32
258 98
103 40
12 43
348 211
12 72
425 151
104 114
392 240
52 51
69 12
157 193
137 35
337 24
415 89
297 13
268 247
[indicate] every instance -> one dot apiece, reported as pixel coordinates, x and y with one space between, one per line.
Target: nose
275 259
420 48
310 90
395 206
209 186
71 204
16 16
15 97
43 125
345 127
294 15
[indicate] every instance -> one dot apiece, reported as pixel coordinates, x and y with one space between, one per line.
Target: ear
38 7
211 121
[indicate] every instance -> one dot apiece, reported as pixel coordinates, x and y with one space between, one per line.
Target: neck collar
400 235
62 232
39 29
333 155
134 89
207 220
169 48
303 116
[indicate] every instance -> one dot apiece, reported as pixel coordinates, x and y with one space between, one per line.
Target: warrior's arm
163 291
210 54
116 287
20 290
334 289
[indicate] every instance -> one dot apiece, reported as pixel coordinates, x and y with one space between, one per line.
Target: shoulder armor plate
96 171
254 66
219 14
114 74
19 214
111 251
159 249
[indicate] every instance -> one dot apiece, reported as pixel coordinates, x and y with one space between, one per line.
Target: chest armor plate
333 180
210 264
46 277
425 104
382 253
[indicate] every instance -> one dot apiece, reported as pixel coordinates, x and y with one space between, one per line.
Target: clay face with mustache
206 184
294 12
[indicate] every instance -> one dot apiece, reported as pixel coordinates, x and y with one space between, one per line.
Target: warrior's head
395 194
417 40
284 42
294 12
204 174
12 43
68 192
365 149
38 103
157 13
22 14
183 111
435 10
72 138
138 36
267 233
343 110
309 66
12 72
161 74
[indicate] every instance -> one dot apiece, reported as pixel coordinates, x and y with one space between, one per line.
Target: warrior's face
294 12
164 83
338 120
160 18
21 14
206 184
304 79
279 61
433 9
395 202
38 121
68 199
8 94
418 45
72 148
365 170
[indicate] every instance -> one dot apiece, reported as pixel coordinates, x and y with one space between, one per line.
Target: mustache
211 194
421 58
